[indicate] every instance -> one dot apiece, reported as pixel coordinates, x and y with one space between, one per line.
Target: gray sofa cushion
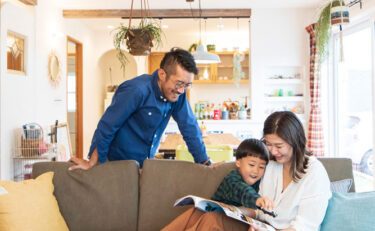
339 169
95 199
164 181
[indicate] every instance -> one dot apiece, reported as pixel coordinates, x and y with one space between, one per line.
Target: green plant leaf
323 29
121 34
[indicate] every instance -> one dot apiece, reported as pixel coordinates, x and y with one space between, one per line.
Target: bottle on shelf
203 129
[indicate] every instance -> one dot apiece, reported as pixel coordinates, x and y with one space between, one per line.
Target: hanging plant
138 39
323 29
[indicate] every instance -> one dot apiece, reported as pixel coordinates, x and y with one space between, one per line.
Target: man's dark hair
178 56
252 147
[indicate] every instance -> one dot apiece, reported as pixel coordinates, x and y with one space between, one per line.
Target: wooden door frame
79 95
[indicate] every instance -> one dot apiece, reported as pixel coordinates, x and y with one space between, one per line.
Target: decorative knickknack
139 39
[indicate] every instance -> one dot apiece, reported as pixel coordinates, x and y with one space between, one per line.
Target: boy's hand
265 203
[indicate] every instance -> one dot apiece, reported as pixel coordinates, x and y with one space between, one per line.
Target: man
133 124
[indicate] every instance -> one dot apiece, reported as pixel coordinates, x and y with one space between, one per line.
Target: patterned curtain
315 142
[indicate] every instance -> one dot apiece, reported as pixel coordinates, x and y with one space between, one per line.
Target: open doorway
74 95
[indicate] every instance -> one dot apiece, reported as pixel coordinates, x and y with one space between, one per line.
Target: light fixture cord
200 22
205 30
130 16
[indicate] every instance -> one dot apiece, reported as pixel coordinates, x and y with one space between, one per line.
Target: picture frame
62 141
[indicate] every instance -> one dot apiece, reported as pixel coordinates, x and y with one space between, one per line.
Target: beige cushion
102 198
164 181
30 205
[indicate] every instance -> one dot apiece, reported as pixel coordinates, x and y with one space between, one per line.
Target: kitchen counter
173 140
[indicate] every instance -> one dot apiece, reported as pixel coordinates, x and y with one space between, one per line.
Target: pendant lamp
201 56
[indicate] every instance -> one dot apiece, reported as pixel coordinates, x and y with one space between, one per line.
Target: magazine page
207 205
235 213
200 203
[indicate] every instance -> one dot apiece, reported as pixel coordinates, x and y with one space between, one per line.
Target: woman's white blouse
302 205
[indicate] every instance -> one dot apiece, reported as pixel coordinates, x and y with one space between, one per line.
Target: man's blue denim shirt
133 124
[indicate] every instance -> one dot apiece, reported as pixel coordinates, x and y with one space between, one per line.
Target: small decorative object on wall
340 13
54 69
15 53
139 39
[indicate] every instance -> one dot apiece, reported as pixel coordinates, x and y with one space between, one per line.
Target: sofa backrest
164 181
111 196
102 198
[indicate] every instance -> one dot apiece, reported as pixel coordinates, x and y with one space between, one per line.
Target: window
351 91
15 52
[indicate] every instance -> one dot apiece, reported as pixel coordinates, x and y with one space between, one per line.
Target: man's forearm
94 158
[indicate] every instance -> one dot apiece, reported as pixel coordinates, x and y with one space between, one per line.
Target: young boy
240 187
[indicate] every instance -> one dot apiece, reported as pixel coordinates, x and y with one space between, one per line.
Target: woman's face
280 149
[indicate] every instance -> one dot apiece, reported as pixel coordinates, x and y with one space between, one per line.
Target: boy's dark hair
178 56
252 147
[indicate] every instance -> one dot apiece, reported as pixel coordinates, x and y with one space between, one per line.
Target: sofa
114 196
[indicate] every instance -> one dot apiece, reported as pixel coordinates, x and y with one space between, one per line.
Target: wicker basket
31 140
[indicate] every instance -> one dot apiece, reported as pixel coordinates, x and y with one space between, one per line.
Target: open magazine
207 205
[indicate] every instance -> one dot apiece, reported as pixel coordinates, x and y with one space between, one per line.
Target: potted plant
323 27
139 39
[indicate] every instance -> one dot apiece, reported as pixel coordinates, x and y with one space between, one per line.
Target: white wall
278 38
32 98
17 92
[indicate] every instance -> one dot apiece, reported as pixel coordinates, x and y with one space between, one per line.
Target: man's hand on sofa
215 164
84 164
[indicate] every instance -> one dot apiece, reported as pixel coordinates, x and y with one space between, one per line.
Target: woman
296 181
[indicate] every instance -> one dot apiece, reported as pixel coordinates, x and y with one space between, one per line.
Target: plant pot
211 47
339 15
139 42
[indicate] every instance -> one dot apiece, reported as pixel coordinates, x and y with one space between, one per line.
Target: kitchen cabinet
222 72
210 73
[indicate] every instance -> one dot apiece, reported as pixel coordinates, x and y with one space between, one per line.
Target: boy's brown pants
196 220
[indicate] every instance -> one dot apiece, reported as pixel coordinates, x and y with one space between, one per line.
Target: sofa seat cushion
164 181
102 198
30 205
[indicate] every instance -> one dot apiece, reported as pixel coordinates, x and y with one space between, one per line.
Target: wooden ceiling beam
29 2
161 13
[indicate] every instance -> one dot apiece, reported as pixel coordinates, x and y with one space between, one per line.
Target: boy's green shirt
234 191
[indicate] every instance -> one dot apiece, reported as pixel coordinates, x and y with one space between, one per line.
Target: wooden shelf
284 98
231 81
198 81
283 81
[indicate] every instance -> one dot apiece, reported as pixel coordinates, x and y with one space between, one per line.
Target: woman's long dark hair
287 126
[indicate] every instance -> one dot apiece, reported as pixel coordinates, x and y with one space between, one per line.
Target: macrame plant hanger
342 12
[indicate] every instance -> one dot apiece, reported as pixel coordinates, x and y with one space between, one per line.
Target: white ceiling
102 23
182 4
